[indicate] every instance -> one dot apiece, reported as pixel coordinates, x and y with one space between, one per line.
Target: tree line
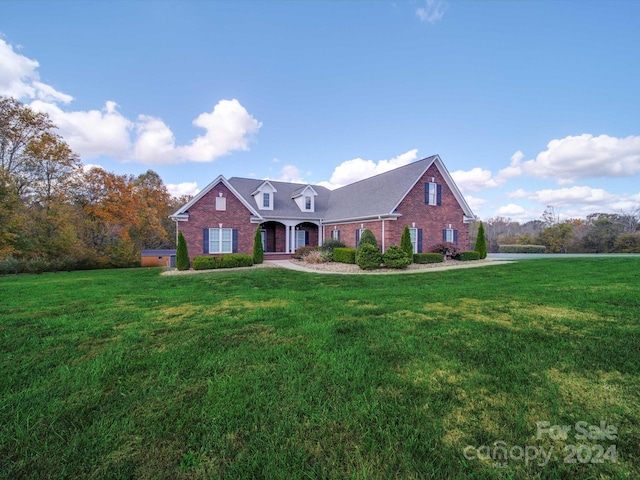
597 233
57 214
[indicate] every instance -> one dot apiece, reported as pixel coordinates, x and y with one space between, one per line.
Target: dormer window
263 196
305 198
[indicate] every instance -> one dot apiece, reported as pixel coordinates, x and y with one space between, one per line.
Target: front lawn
272 373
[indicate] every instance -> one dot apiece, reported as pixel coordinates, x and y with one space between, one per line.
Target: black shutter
426 194
455 237
234 241
357 237
439 195
419 240
444 235
205 240
306 237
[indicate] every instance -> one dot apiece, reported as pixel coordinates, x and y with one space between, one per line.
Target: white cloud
290 173
432 12
475 203
19 78
474 180
148 140
91 133
511 210
185 188
358 169
583 156
228 128
155 143
513 170
572 196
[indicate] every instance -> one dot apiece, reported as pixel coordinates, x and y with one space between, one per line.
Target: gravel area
335 267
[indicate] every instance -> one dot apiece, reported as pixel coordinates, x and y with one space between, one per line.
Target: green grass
270 373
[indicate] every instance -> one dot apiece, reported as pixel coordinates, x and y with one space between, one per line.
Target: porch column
287 228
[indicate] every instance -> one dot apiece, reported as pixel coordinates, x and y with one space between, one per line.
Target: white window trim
414 239
220 240
304 238
449 235
433 193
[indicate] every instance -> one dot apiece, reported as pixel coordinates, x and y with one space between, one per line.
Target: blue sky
528 103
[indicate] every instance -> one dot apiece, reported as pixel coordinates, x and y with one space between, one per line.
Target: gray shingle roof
373 196
283 204
377 195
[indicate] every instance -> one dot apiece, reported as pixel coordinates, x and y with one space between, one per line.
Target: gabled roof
300 191
182 212
377 196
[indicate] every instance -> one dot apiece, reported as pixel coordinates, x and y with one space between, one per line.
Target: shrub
405 242
328 246
344 255
229 260
368 238
258 251
468 255
481 242
396 257
445 248
627 243
423 258
234 260
182 254
302 252
315 257
368 257
205 262
522 249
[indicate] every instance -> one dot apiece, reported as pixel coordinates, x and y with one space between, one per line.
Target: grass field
271 373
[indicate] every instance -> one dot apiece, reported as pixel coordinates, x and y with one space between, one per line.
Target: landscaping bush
368 257
230 260
234 260
315 257
423 258
328 246
468 255
344 255
258 251
182 254
522 249
405 242
368 238
301 252
205 262
396 257
481 242
445 248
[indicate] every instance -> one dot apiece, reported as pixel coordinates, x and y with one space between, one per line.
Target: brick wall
432 219
203 214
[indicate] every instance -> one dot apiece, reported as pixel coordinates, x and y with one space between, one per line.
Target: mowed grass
271 373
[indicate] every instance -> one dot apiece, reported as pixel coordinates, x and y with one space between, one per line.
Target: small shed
158 258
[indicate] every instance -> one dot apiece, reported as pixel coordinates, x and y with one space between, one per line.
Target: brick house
224 216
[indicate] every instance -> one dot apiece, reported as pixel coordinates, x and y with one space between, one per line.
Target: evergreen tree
481 242
405 242
368 238
258 251
182 254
